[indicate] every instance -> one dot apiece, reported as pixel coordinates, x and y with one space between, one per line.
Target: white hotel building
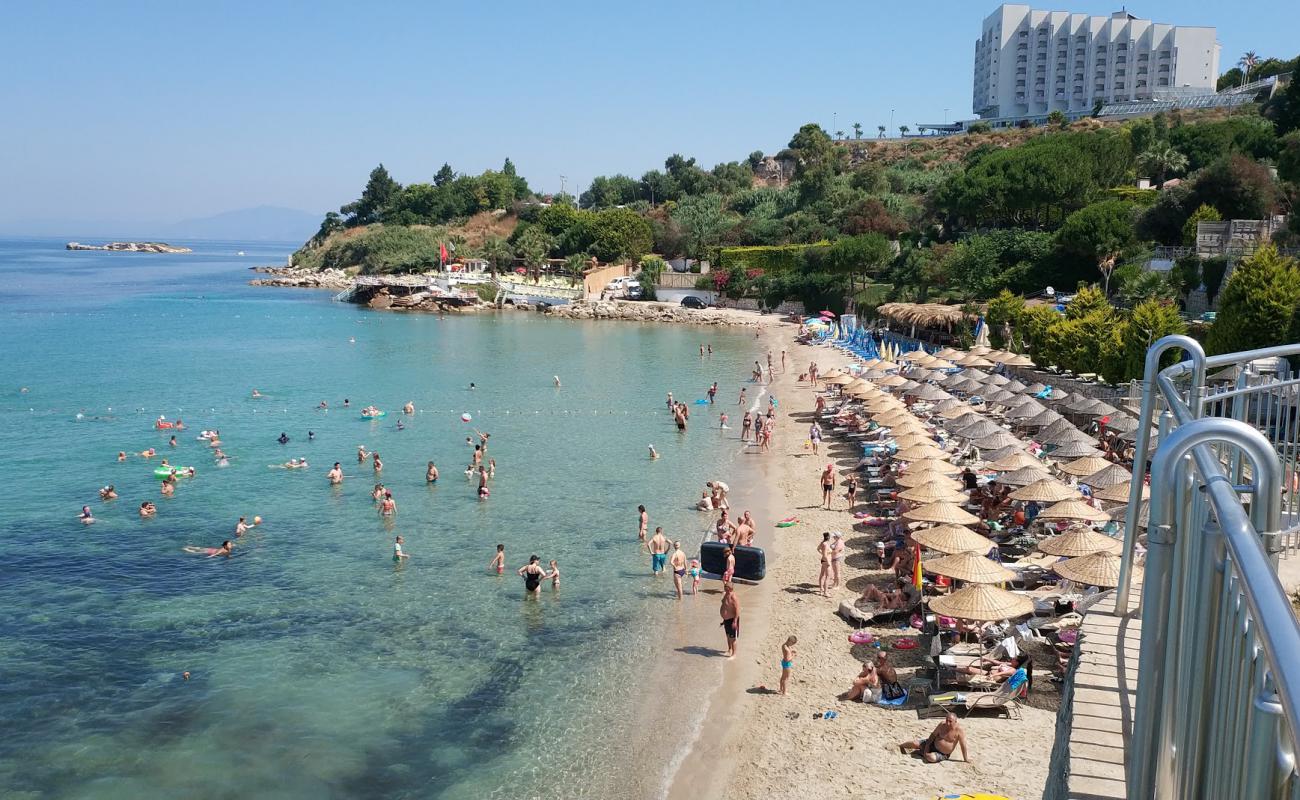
1029 63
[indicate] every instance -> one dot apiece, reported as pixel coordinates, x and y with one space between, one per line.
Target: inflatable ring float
788 522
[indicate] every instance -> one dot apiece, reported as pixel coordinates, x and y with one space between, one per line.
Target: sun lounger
870 614
1005 700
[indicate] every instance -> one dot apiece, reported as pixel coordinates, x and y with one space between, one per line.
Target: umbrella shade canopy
1046 490
892 380
858 383
970 567
996 440
1023 476
910 428
950 403
981 349
1061 425
1014 386
944 513
886 365
974 375
998 380
1057 395
957 411
979 429
1118 493
932 465
1042 419
915 355
1003 452
933 493
952 539
1082 404
921 452
1034 388
965 419
1066 436
906 387
1080 540
967 386
911 440
832 373
1110 475
949 353
1098 569
1014 460
1121 423
1019 361
892 415
972 360
1103 409
914 478
863 393
1074 509
931 393
1084 466
1074 450
841 379
983 603
1002 397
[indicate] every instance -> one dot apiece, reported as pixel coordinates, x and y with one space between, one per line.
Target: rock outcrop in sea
642 311
130 247
335 279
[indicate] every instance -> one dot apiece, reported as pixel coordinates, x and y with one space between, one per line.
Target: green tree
619 233
1088 301
1288 157
1238 187
444 175
1284 108
865 255
499 254
331 224
607 192
984 264
880 129
703 220
1247 62
1212 272
380 192
1161 160
1258 305
857 130
1005 309
1203 213
1091 238
533 246
903 129
1206 142
1057 118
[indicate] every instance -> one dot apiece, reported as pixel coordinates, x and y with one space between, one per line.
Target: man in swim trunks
730 612
678 562
336 474
498 562
946 738
658 547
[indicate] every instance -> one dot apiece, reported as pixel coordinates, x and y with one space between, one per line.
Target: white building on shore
1029 63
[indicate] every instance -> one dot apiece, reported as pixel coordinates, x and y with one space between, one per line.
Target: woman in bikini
824 573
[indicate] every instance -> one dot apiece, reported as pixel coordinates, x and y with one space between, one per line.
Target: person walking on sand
788 652
828 484
837 557
336 474
815 437
824 571
783 359
658 547
730 612
678 562
643 522
851 490
947 736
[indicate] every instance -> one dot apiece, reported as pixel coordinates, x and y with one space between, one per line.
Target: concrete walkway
1104 687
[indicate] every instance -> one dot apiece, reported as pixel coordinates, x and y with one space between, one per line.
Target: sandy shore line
757 745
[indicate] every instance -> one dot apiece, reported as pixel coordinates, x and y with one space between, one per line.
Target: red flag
442 253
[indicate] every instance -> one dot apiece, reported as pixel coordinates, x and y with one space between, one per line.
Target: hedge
770 259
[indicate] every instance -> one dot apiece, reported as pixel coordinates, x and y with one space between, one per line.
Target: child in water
499 560
554 574
787 661
695 576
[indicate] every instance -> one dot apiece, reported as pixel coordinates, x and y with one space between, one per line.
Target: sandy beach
757 744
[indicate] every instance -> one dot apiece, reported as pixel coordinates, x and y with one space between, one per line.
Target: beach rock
335 279
130 247
637 311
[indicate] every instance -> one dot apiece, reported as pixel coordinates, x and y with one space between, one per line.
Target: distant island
131 247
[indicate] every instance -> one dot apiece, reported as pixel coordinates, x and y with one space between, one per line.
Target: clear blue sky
133 111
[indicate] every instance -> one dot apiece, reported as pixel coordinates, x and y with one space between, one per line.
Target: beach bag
891 691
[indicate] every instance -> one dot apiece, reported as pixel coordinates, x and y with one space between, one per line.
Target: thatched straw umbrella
1109 475
1028 409
932 492
996 440
1024 476
998 380
1084 466
1019 361
973 360
1056 396
957 411
983 603
1067 436
1121 423
1073 450
922 452
832 373
1001 397
1015 386
1119 493
1102 409
912 440
934 465
931 394
966 386
1074 509
892 380
952 539
914 477
969 567
1015 460
977 430
840 380
1042 419
1098 569
949 353
942 513
1080 540
974 375
1034 388
1046 490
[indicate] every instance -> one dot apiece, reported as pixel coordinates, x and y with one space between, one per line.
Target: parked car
635 291
692 301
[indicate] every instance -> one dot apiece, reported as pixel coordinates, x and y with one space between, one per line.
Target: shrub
1258 306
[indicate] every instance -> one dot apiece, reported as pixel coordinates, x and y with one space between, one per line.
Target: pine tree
1257 308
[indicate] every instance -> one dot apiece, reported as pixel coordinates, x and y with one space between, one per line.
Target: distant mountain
263 223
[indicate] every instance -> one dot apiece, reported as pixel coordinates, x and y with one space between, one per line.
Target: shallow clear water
319 668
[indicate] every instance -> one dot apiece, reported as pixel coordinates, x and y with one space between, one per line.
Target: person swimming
653 453
400 426
148 509
256 393
284 438
225 549
86 517
431 474
108 493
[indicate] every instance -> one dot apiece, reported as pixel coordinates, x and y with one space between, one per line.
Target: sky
138 112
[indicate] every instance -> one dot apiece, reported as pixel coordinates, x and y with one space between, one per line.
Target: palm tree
1162 159
903 129
1248 62
498 253
881 128
857 130
1106 265
839 136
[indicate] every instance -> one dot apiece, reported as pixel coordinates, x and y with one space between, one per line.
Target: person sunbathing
996 670
895 598
866 687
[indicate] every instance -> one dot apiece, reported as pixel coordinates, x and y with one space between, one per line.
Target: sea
317 666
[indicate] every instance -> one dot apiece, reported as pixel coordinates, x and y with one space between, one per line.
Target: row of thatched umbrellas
1092 558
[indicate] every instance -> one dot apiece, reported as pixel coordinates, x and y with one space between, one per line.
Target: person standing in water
643 521
336 474
532 573
431 474
741 401
241 528
730 612
482 483
398 553
498 562
713 392
678 562
658 547
554 574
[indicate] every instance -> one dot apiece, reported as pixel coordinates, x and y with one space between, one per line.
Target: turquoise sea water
318 667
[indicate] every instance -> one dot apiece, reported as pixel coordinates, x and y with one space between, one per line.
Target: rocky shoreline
130 247
291 277
649 311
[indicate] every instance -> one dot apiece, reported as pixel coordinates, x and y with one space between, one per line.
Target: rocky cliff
130 247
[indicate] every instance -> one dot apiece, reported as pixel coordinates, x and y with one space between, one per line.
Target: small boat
240 253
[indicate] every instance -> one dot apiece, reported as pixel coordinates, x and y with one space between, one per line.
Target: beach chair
1005 700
